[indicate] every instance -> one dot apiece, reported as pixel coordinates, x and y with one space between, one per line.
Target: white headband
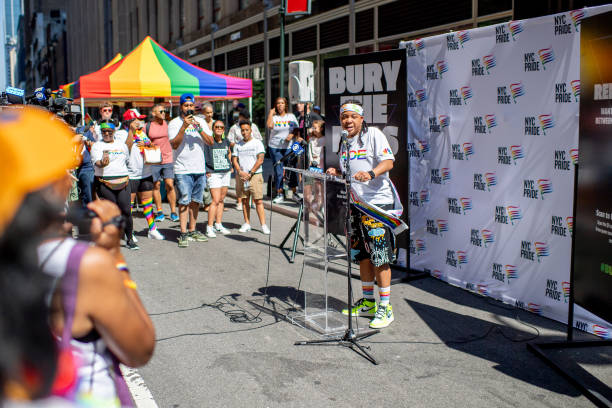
352 107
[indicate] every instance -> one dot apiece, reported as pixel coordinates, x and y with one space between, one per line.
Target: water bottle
246 184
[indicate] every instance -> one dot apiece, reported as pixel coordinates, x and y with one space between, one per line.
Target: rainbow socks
385 294
368 290
147 210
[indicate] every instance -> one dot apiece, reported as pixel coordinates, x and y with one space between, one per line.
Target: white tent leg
82 111
251 107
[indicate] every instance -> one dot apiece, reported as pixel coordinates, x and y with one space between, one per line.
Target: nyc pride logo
577 16
462 258
511 272
517 152
421 95
442 226
442 68
482 289
466 204
491 121
424 196
514 213
489 62
466 93
545 186
541 249
517 90
547 55
491 180
444 121
601 331
487 237
468 149
464 36
546 122
534 308
515 27
420 246
574 155
423 146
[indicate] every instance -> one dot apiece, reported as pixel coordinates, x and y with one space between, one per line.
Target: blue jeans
85 183
190 187
276 155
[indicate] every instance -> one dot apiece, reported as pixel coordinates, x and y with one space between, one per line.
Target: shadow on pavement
494 342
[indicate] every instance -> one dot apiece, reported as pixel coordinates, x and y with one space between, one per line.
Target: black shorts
140 185
371 239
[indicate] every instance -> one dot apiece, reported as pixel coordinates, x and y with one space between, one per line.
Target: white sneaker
220 228
239 207
245 227
134 238
265 229
210 232
279 199
155 234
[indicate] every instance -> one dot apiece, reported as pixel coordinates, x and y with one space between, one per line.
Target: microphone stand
349 339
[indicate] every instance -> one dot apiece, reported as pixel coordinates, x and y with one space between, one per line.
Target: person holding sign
218 166
372 242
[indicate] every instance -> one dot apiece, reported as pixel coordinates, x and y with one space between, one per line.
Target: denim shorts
191 188
162 171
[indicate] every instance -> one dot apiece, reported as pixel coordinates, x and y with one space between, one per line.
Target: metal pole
213 27
82 111
266 63
351 27
281 12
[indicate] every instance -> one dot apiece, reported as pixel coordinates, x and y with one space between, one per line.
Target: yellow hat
36 148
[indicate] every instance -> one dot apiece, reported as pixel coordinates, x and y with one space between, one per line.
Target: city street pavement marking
139 390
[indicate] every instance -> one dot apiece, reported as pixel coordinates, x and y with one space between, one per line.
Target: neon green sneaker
382 318
183 241
197 236
363 307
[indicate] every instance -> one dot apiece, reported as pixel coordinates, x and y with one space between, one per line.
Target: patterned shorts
371 239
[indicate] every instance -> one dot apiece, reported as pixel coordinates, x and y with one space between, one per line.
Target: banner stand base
597 398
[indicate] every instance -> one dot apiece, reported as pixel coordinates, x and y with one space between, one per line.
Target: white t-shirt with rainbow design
364 157
282 127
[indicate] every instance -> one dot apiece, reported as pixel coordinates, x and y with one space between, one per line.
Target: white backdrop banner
492 140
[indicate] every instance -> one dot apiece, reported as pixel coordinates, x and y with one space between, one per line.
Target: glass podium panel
323 232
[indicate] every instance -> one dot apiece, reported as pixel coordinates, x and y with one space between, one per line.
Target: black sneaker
130 244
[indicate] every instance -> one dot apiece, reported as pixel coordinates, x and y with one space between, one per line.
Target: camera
12 96
190 112
56 103
81 218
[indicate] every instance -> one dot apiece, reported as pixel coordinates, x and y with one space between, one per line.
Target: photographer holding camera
187 135
94 306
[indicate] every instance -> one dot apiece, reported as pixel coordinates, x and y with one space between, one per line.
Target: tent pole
82 111
251 107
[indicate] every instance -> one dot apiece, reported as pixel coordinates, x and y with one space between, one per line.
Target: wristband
128 283
372 174
122 266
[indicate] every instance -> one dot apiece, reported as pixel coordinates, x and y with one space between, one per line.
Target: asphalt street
446 348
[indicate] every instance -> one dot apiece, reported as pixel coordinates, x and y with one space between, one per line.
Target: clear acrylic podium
325 250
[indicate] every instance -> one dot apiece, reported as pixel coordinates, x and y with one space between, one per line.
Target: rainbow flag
389 218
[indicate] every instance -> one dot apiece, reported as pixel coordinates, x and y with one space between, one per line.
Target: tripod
349 339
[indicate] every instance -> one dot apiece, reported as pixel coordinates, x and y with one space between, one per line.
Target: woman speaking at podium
372 243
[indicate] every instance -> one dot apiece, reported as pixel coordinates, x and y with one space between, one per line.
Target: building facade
242 37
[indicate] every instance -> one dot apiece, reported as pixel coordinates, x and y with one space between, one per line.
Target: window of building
181 18
256 53
334 32
274 48
219 62
493 6
401 16
242 4
304 40
238 58
205 63
364 25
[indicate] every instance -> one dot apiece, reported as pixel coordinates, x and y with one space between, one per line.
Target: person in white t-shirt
110 158
235 136
371 159
281 125
141 174
248 156
187 135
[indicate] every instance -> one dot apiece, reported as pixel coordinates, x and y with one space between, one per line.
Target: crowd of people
195 156
67 322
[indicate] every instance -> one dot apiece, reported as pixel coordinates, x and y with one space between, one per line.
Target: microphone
297 148
344 137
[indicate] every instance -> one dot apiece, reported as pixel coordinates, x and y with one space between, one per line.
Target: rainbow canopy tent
69 89
149 71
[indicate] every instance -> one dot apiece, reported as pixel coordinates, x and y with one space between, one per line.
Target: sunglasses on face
107 110
219 127
107 131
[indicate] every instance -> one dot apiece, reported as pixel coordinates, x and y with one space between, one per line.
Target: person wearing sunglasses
218 166
157 130
110 158
106 113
